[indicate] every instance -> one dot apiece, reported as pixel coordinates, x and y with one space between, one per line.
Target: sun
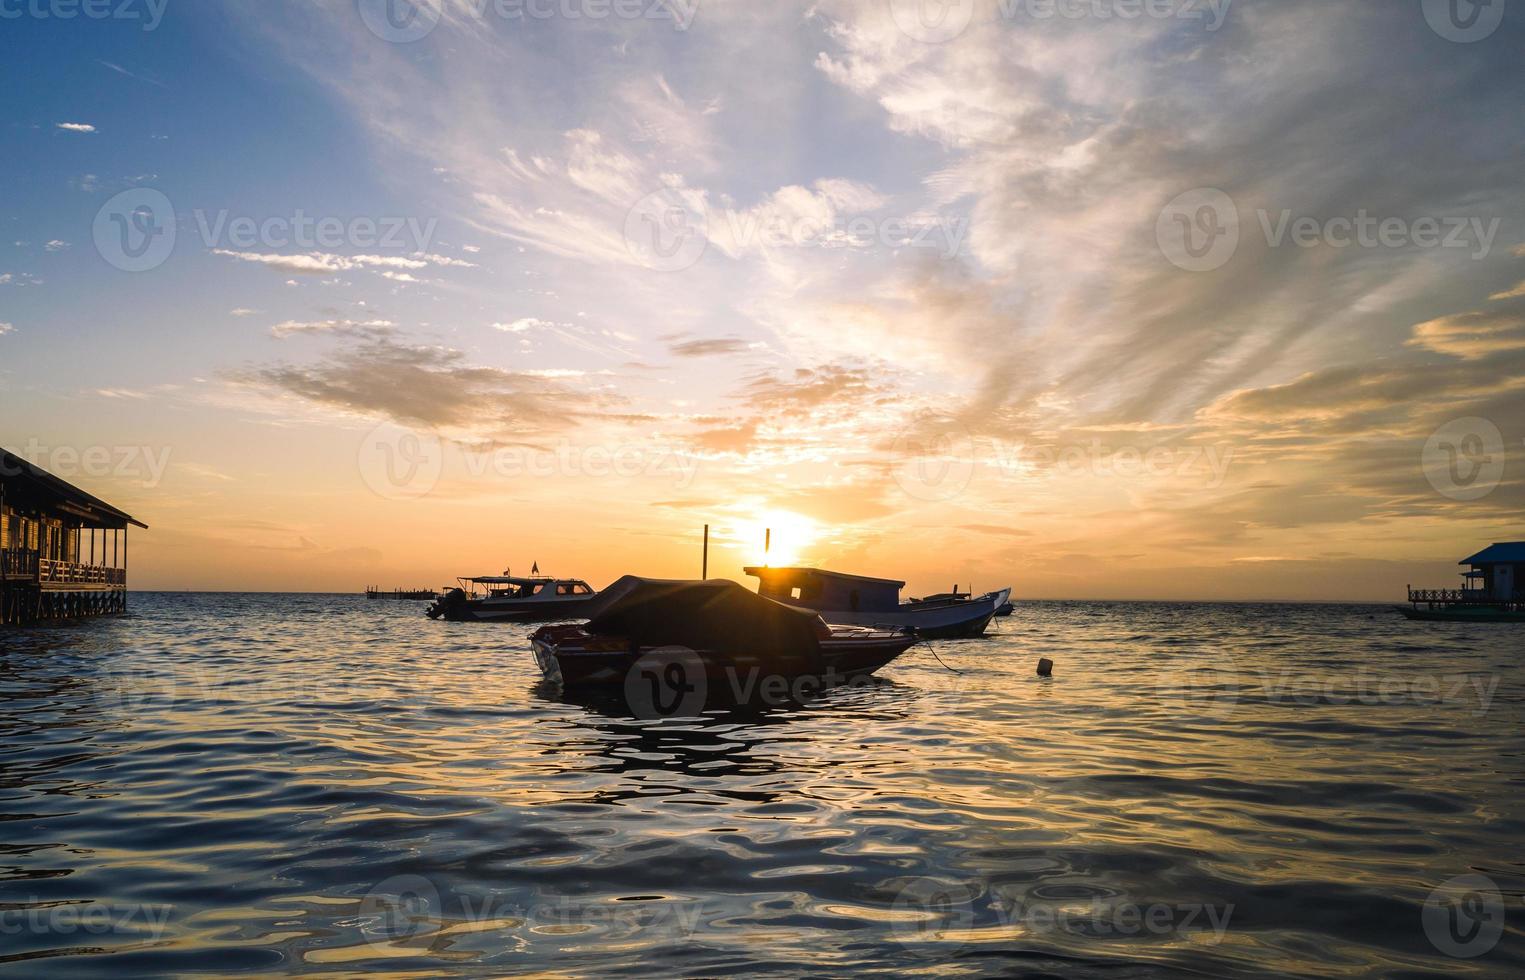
792 537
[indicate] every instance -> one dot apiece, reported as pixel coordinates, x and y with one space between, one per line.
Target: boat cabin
513 587
816 588
1497 572
63 552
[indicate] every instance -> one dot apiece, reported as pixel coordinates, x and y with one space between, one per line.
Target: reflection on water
257 784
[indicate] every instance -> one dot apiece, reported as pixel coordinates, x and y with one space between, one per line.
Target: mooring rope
939 659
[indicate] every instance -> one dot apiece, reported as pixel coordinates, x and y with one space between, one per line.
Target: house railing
18 563
1463 597
52 572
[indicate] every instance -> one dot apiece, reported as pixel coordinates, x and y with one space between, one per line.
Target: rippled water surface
275 784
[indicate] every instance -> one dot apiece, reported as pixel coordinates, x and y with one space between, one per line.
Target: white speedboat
857 600
510 599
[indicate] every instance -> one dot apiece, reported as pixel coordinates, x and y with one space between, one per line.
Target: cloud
1475 335
526 324
242 311
377 374
710 348
6 328
350 327
1051 147
72 127
327 263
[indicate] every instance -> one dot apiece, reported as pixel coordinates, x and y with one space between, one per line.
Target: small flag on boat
535 568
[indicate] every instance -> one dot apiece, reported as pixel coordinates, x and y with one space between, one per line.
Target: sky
1158 299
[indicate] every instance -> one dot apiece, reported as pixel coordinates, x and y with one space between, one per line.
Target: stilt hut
63 552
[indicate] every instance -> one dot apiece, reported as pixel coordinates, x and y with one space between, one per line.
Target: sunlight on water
274 784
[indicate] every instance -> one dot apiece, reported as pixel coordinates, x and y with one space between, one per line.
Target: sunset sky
1223 304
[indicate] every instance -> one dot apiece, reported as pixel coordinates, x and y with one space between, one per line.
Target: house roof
23 481
1507 552
767 571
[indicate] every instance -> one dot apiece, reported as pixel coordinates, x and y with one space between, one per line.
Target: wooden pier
407 595
63 552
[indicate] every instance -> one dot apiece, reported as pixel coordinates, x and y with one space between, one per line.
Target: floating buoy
1045 667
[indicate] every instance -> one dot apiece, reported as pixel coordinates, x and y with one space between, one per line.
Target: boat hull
512 610
570 657
1475 614
936 619
929 624
960 619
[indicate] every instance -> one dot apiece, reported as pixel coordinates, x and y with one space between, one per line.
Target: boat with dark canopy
723 629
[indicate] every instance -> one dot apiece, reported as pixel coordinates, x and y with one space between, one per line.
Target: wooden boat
510 599
715 630
863 601
1493 590
1464 614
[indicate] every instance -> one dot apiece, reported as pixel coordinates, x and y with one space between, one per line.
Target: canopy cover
717 616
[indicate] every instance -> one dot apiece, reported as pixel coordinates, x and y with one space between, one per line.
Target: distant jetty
406 595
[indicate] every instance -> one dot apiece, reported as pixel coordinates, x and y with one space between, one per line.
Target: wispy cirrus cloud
327 263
